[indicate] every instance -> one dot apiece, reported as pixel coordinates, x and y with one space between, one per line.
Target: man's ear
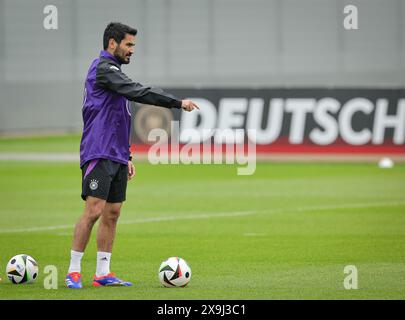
112 44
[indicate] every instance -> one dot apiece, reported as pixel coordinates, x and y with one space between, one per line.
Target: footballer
105 158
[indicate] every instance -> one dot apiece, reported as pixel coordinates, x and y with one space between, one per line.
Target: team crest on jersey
93 184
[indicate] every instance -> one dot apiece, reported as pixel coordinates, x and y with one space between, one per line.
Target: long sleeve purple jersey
106 112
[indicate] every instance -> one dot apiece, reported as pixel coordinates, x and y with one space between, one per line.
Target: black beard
119 57
121 60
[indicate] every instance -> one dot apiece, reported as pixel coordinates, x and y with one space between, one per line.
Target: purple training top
106 109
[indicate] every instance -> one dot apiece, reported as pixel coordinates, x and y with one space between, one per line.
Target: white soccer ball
386 163
174 272
22 268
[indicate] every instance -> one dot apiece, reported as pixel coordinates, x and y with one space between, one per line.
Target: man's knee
112 211
94 208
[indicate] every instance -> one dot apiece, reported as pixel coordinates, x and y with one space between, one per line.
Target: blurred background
212 49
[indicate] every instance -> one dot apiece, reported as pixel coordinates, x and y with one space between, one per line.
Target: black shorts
105 179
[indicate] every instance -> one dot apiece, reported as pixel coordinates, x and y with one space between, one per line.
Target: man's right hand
188 105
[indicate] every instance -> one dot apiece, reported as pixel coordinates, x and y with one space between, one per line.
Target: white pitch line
223 215
34 229
254 234
137 221
190 217
40 156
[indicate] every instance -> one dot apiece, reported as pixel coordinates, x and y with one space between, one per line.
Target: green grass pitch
286 232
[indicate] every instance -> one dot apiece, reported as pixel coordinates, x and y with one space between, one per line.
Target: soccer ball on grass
174 272
22 268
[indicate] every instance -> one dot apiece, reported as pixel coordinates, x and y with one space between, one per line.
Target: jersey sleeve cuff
177 104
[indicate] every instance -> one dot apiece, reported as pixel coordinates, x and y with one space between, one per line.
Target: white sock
75 260
103 263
